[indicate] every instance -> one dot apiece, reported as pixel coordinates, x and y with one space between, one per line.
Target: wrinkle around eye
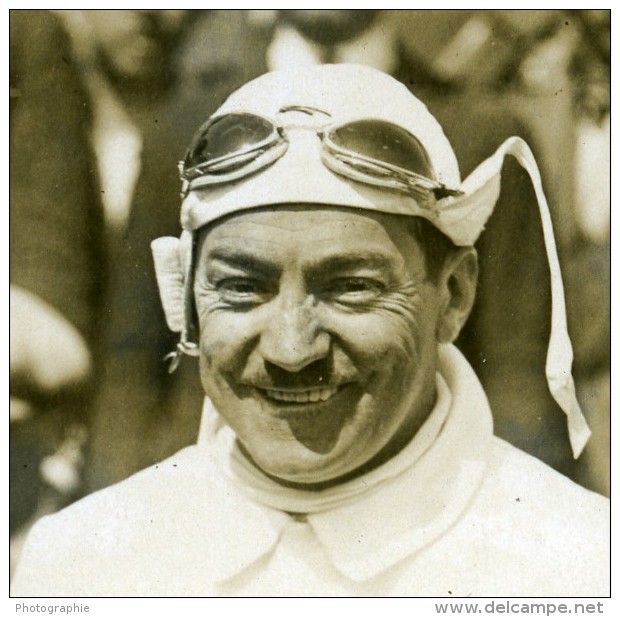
370 294
241 291
403 302
353 290
209 299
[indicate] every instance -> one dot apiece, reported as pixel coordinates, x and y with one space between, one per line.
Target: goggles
376 152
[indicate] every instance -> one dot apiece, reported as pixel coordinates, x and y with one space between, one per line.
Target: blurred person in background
73 117
553 69
57 269
213 53
133 419
588 269
124 57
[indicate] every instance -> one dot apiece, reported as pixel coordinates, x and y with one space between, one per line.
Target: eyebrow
248 262
338 262
353 261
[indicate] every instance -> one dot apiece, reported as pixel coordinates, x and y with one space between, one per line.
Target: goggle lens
225 137
384 142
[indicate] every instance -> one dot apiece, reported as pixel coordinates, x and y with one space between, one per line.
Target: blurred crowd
103 104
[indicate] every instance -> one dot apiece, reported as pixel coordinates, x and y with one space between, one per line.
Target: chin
303 467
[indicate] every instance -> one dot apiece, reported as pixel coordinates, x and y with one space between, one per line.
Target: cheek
228 344
396 330
223 334
221 347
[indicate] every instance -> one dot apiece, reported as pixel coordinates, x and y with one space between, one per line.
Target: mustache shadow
320 373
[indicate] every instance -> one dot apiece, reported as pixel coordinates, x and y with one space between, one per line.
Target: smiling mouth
313 395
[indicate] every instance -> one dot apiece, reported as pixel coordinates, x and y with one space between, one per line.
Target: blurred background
103 104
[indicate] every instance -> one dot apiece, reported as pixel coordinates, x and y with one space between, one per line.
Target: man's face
318 337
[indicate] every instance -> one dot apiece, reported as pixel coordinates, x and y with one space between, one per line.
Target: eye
354 290
241 290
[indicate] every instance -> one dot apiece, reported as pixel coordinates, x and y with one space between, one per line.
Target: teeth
307 396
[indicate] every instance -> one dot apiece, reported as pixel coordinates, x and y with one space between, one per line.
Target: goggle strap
560 352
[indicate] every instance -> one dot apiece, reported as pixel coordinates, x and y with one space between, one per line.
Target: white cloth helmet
292 165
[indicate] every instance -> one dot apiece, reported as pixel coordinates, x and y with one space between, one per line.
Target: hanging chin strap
560 351
481 191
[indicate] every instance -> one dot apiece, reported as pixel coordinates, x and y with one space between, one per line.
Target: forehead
311 233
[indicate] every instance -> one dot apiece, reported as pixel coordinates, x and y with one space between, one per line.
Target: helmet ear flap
170 275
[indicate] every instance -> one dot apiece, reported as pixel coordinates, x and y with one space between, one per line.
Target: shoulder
511 471
104 543
536 516
140 495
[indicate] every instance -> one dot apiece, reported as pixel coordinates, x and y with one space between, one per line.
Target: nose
293 336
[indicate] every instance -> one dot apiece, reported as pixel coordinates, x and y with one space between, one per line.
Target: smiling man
321 355
346 448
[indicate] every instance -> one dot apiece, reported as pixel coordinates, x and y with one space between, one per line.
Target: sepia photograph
310 304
